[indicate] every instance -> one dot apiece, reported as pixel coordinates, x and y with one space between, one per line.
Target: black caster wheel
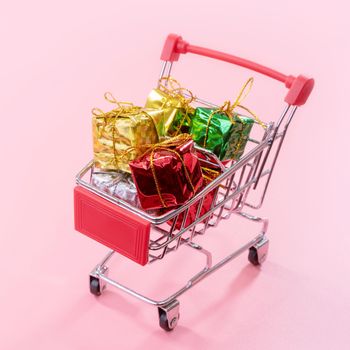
253 256
169 316
163 322
95 287
167 325
258 252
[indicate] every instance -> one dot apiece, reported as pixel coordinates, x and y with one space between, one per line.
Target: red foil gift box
210 171
168 173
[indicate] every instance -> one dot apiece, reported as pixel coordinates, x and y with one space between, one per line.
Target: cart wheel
258 252
98 285
163 322
253 256
95 287
169 316
166 324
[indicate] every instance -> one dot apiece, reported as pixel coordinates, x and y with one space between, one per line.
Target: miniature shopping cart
146 238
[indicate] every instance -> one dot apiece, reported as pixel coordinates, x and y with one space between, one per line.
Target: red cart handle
299 87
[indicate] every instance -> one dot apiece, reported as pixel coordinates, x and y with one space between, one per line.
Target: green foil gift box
177 111
222 130
226 136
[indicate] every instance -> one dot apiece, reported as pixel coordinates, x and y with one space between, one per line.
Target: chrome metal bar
185 214
251 174
164 64
250 205
202 218
211 207
183 223
226 193
166 70
208 255
199 208
254 141
271 141
107 258
241 176
172 228
257 160
264 221
205 272
231 257
276 156
291 117
282 116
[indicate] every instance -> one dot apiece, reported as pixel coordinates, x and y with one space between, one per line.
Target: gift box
225 135
119 134
169 98
209 173
167 174
117 184
222 130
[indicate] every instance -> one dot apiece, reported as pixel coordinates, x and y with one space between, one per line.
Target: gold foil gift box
120 134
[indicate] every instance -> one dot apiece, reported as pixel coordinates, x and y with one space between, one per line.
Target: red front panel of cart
115 227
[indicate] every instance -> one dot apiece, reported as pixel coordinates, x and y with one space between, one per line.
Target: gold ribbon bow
228 108
122 108
174 89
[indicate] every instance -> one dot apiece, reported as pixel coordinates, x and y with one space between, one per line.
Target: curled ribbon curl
122 108
228 108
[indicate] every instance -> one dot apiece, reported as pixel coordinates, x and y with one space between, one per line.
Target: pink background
57 60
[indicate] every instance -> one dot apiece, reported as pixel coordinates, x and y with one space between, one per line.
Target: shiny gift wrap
117 184
167 174
176 108
209 173
222 130
117 131
214 130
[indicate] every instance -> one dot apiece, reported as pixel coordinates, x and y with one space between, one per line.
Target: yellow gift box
118 135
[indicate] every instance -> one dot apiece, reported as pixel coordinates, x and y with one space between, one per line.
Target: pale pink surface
57 60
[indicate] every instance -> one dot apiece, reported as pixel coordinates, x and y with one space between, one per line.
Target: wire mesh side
228 197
